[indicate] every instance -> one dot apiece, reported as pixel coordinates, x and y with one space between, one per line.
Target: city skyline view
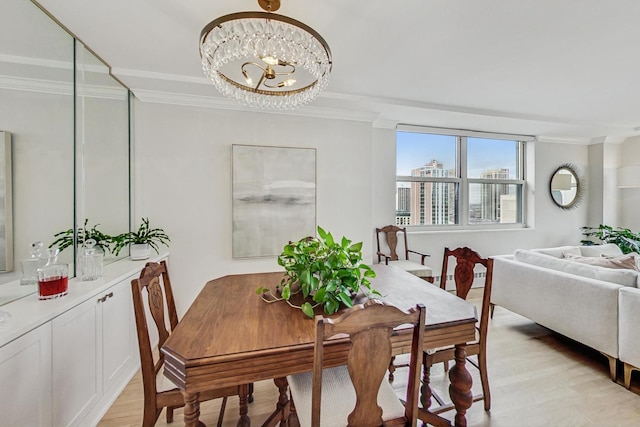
437 203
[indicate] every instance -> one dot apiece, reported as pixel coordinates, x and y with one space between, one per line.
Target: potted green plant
323 271
625 239
141 241
64 239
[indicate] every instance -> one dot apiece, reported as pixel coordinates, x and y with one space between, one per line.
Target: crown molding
188 100
36 85
382 112
563 140
61 88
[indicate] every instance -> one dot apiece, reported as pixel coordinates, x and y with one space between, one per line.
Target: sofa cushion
559 251
622 261
620 277
599 250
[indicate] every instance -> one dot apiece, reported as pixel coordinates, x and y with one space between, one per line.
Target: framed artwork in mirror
274 198
6 210
566 186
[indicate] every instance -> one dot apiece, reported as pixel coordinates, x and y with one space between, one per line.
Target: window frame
463 182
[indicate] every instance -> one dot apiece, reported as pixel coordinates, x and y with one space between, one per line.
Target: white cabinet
76 359
64 361
120 343
25 379
92 354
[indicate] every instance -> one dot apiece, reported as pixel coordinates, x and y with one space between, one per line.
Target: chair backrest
370 327
391 238
154 283
463 276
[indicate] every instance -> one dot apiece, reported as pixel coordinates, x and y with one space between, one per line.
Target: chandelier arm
286 73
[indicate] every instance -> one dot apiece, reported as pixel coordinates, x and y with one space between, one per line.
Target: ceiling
562 70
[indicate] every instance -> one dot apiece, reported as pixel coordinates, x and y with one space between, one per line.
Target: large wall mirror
102 148
566 187
51 124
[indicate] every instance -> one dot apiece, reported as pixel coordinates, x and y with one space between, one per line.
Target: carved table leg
281 413
460 387
243 394
191 409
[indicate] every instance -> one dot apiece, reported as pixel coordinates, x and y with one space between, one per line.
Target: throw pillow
628 260
608 261
597 250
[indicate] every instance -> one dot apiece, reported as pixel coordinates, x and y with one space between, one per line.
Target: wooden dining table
230 336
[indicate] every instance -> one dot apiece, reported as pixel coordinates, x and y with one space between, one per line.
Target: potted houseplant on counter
64 239
141 241
323 271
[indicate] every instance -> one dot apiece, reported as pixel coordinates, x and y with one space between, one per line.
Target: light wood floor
537 378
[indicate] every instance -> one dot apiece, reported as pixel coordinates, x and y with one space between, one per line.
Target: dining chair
355 394
463 277
159 392
390 235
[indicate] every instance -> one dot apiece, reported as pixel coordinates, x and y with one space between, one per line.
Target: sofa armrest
629 303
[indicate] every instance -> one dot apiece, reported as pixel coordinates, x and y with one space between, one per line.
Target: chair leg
150 415
425 389
169 414
222 408
484 378
392 368
491 308
250 398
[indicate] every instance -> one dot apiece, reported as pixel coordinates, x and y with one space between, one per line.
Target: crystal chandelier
265 60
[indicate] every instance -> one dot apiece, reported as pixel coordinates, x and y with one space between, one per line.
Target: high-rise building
404 199
431 202
491 195
403 206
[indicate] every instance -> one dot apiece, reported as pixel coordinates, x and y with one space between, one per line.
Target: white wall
183 182
630 197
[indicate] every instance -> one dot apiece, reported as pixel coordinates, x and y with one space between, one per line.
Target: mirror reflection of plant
625 239
64 239
145 234
328 271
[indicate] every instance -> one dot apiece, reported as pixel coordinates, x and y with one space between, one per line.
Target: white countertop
28 312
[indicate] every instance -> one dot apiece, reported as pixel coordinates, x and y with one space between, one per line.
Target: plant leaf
307 309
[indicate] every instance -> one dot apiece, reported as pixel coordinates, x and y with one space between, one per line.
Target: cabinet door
25 380
76 362
117 334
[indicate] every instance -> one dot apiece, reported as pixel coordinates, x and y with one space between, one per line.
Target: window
459 178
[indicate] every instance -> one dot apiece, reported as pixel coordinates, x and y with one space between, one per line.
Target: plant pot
139 251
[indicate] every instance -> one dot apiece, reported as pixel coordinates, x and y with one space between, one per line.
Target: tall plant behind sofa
625 239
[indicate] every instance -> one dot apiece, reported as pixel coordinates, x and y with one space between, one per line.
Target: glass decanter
90 261
53 278
37 258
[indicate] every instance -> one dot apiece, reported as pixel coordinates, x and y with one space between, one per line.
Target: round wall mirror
565 187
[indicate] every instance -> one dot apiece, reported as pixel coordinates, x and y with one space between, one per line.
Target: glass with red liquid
53 281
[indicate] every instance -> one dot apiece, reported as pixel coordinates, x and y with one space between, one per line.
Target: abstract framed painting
274 198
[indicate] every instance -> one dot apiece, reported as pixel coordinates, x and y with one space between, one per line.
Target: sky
416 149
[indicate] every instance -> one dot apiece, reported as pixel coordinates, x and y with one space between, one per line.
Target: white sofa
578 300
